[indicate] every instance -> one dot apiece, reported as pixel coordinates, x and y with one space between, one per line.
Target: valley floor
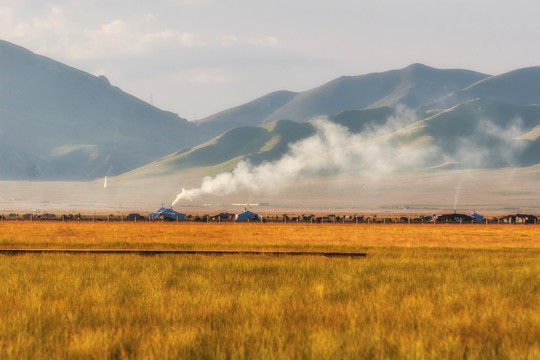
501 191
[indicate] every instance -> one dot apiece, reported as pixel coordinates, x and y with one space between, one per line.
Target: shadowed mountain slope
65 123
250 114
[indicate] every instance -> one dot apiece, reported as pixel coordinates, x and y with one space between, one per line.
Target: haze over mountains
60 123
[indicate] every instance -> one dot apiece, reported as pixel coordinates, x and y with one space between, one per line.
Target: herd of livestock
454 218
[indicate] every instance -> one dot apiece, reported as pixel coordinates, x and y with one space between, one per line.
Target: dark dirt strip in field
178 252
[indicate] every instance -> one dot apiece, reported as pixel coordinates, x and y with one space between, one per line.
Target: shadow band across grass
178 252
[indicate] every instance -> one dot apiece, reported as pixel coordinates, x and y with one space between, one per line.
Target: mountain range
412 86
59 123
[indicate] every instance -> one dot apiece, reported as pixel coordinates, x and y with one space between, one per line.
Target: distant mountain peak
104 79
418 66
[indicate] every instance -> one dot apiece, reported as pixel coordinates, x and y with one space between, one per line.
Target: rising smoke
331 149
489 145
375 152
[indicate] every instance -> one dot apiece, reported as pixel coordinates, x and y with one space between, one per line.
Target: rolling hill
484 134
258 144
518 87
251 114
412 86
479 134
416 86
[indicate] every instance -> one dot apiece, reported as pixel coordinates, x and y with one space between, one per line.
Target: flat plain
423 291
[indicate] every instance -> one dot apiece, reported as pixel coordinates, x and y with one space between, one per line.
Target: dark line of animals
453 218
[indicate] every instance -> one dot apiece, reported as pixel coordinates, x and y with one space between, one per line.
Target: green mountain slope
479 134
256 144
518 87
484 134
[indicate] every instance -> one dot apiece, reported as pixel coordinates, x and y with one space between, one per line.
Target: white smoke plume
332 149
373 153
457 194
490 144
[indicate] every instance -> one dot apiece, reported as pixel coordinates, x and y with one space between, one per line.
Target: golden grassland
423 291
192 235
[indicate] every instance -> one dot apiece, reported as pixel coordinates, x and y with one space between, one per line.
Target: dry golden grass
423 292
26 234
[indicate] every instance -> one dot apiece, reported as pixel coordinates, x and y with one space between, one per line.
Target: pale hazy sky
198 57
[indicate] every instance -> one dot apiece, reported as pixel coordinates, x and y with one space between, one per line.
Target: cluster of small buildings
171 215
168 214
477 218
165 214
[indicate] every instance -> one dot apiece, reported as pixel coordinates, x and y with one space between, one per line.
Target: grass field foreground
189 235
474 295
